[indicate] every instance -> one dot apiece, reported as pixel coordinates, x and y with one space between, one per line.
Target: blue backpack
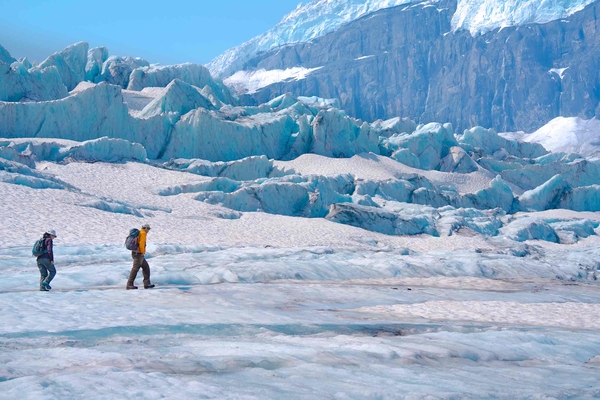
39 248
131 242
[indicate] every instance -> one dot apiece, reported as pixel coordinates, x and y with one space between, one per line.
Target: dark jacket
48 244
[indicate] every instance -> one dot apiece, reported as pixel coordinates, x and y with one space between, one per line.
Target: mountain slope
319 17
408 61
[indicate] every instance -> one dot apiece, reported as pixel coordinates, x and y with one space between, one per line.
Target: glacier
296 250
266 269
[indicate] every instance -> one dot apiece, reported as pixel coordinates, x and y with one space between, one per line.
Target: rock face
408 62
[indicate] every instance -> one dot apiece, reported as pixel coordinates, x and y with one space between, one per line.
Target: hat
146 226
51 232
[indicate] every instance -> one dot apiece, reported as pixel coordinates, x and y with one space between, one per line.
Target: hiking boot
149 286
43 289
131 287
46 286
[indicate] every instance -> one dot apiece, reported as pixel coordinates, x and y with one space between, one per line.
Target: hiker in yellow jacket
139 261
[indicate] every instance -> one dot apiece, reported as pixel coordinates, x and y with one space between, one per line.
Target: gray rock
422 70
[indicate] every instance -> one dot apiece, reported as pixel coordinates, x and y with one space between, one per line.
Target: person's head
51 233
146 228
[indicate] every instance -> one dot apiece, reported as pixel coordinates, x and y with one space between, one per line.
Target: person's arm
49 248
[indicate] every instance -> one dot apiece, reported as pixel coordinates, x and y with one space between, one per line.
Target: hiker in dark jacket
45 262
139 261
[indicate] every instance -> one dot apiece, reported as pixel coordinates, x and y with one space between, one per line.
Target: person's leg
43 271
51 275
146 272
137 263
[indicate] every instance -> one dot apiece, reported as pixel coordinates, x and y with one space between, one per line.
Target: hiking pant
139 261
47 270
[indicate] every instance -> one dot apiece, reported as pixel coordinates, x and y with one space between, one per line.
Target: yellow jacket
142 242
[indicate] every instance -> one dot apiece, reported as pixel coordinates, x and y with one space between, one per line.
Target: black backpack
39 248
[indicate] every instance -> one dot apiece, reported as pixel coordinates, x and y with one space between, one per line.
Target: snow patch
251 81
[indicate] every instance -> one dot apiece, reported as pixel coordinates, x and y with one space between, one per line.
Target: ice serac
336 135
194 74
488 142
530 228
117 70
394 125
547 196
292 195
579 172
5 56
377 220
71 64
498 195
246 169
29 151
178 97
205 134
90 114
96 58
459 161
428 143
20 84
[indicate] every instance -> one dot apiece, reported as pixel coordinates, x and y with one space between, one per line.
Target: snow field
286 307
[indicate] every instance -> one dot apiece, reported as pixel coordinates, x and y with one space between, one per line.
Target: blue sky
161 31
